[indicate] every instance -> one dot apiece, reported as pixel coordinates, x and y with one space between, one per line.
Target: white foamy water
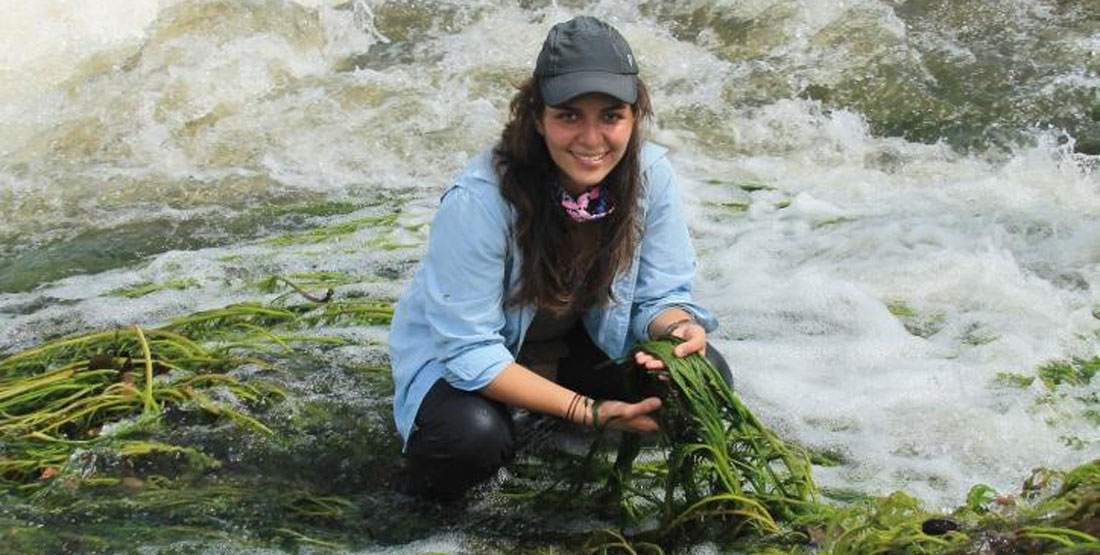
870 289
41 42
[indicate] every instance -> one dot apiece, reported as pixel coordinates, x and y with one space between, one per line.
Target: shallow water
894 202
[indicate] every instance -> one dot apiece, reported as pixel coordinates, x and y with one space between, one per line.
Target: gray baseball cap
586 55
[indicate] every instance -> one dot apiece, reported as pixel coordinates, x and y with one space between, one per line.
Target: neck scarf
587 206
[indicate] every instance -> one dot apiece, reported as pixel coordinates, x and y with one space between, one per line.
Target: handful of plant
721 463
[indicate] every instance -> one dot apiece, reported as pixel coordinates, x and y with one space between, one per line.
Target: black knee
483 436
460 439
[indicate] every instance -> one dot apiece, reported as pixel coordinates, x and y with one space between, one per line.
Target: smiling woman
552 253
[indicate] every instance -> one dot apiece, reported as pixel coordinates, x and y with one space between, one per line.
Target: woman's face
586 138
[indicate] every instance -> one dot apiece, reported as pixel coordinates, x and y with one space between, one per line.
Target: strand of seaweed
109 390
724 476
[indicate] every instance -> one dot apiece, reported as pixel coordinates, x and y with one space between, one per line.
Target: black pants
461 438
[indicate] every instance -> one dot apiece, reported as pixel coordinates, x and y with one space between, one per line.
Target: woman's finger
645 406
650 362
634 417
695 340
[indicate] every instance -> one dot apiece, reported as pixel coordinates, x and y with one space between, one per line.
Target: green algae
826 457
920 324
975 335
734 205
1074 372
1010 379
746 186
57 398
722 457
216 438
332 232
323 471
148 288
1054 511
95 250
327 279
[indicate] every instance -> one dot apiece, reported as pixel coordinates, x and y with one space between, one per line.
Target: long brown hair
554 276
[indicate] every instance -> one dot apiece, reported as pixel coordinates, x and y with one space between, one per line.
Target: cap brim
560 89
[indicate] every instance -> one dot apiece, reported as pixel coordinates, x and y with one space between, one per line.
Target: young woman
560 248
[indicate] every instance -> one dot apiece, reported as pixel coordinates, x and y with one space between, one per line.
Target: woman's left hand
695 341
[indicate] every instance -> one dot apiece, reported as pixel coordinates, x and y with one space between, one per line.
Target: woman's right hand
628 417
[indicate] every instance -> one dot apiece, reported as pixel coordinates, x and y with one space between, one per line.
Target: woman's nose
590 133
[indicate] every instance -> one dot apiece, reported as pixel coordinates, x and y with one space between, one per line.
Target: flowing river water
896 204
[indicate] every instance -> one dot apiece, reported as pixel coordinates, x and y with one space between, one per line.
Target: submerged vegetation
211 428
726 477
1075 372
179 423
58 398
722 462
148 288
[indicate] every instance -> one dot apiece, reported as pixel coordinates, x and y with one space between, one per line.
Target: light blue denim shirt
453 321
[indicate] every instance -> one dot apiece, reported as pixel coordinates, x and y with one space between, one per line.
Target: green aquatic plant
62 396
915 322
1073 372
721 473
156 469
1010 379
59 397
148 288
272 283
254 513
608 542
723 462
331 232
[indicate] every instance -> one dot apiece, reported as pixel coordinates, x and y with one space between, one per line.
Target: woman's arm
666 260
518 386
663 300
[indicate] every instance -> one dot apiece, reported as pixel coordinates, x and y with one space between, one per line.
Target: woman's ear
539 127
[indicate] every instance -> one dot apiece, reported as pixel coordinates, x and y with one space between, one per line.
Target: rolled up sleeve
464 284
666 263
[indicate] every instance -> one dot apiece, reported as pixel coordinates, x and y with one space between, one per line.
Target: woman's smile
592 160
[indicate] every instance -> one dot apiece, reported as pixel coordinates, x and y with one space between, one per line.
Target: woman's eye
567 116
612 117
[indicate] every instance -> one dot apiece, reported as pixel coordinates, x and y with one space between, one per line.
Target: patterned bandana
587 206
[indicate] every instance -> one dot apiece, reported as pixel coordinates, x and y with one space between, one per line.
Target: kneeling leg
460 438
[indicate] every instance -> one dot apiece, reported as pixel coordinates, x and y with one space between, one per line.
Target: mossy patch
746 186
920 324
148 288
96 250
332 232
827 457
1013 380
733 205
976 335
1074 372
